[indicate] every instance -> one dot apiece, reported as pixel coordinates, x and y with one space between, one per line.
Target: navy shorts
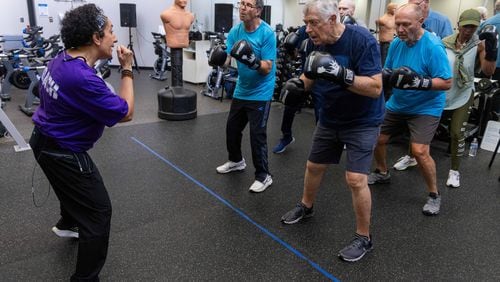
328 145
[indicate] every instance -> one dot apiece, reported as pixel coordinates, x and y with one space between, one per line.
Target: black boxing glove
291 41
293 92
405 78
386 77
321 65
243 52
490 36
217 56
386 83
304 45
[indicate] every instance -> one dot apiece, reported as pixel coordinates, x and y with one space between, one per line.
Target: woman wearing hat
463 49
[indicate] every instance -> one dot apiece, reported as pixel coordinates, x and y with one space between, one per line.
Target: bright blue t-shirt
357 50
427 57
75 104
252 85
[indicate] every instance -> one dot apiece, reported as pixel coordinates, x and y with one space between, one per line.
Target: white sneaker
258 186
453 179
66 233
405 162
232 166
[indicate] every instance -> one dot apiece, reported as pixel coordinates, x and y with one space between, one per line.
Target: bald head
410 11
408 20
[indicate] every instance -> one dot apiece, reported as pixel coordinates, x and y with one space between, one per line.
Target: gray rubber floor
176 219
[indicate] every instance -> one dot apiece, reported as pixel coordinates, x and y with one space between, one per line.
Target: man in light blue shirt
253 44
438 24
495 21
434 22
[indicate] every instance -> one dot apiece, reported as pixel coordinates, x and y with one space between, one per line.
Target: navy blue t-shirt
357 50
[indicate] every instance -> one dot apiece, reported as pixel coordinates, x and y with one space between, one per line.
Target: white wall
453 8
293 15
288 12
458 7
148 20
10 23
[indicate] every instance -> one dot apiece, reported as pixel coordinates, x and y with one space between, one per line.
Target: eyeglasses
240 5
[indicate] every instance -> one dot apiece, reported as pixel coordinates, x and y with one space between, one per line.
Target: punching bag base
176 103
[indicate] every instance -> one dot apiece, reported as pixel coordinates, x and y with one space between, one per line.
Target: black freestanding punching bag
176 63
176 102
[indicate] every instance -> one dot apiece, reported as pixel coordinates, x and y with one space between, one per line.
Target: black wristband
255 65
126 73
491 55
348 77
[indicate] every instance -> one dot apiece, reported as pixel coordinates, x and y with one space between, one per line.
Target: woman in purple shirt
75 106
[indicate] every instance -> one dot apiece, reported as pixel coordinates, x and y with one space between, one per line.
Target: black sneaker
296 214
358 247
64 231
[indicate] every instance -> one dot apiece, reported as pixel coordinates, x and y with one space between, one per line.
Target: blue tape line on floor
240 213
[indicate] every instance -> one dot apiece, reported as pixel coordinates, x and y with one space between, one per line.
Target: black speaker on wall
127 15
266 14
223 17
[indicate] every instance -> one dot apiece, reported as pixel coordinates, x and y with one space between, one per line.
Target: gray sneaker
296 214
378 178
432 206
357 249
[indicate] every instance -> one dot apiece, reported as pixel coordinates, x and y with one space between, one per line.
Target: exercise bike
484 109
162 64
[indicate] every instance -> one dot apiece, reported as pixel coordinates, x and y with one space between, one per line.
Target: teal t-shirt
427 57
252 85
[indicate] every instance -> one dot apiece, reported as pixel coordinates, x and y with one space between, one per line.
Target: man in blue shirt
434 22
253 44
439 25
345 65
417 68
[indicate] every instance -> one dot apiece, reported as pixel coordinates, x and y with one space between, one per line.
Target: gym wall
453 8
148 19
10 18
288 12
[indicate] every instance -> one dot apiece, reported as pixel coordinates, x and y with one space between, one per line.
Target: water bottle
473 148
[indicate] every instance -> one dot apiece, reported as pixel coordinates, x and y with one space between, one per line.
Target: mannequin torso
176 22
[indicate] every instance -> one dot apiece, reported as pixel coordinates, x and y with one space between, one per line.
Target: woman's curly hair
79 24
